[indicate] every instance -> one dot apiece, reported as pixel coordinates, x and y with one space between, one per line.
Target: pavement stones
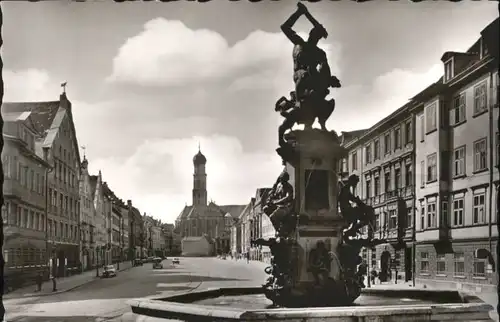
64 284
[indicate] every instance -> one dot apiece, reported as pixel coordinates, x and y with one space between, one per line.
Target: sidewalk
64 284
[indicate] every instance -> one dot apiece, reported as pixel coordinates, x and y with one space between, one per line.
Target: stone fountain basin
374 305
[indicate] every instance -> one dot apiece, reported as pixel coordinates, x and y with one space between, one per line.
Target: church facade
203 218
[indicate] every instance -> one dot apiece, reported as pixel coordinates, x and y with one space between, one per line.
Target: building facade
24 190
55 127
136 235
116 233
88 231
383 158
428 169
457 152
158 243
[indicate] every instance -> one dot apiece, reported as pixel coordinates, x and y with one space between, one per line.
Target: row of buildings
55 213
430 170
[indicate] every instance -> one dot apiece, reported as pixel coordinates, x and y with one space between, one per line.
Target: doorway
408 265
385 269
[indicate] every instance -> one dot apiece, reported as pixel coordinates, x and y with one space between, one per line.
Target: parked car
175 260
157 263
109 271
137 262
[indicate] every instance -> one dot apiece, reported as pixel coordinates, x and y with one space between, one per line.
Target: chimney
129 203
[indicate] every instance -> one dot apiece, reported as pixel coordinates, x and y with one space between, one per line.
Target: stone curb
94 278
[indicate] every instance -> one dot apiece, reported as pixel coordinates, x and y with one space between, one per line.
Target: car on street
109 271
157 263
137 262
175 260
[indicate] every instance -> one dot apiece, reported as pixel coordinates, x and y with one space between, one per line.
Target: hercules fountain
316 272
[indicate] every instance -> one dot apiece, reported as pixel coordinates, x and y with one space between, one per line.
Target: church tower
199 180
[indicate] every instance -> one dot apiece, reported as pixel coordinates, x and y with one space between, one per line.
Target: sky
149 81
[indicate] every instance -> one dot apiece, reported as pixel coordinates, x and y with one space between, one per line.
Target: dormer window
483 51
448 70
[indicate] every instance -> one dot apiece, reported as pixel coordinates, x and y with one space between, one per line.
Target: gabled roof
245 210
43 113
47 117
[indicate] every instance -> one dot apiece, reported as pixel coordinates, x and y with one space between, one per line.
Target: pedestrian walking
248 258
54 282
373 276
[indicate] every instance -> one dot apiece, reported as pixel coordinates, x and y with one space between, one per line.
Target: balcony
405 192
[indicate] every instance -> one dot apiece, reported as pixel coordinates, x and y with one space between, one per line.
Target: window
422 174
376 185
480 155
387 181
432 167
457 112
32 180
409 217
441 264
443 217
422 218
480 98
424 262
387 143
479 267
448 70
393 219
458 212
408 175
343 168
497 148
397 179
368 188
42 186
431 117
26 218
354 161
23 176
368 154
376 150
377 222
422 128
397 138
6 166
42 222
478 213
408 132
431 215
459 264
5 214
459 161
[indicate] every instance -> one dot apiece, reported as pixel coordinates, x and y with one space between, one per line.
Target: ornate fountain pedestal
317 277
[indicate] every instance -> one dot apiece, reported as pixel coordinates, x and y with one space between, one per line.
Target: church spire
199 179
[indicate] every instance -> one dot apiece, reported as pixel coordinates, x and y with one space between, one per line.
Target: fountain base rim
181 307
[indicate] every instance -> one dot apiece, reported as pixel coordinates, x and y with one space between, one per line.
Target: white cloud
384 95
29 85
152 165
169 53
158 176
